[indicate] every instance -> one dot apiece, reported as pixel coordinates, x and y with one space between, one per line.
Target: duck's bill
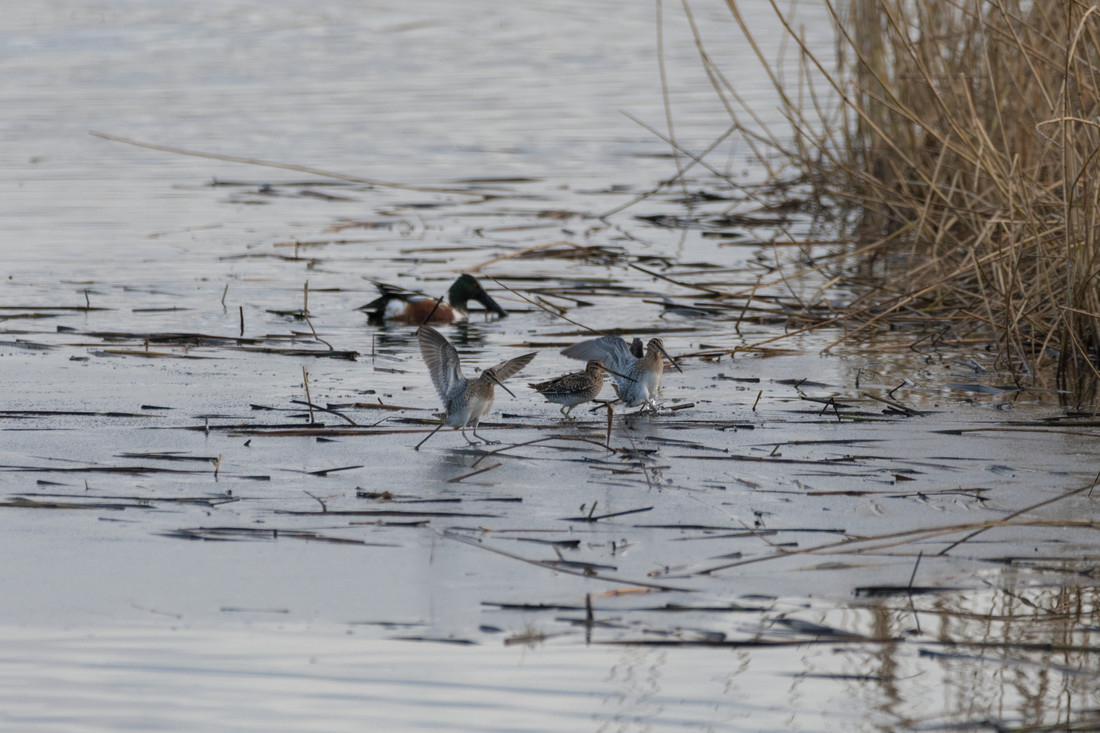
500 384
490 305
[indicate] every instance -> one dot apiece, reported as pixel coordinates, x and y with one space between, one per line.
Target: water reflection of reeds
1015 657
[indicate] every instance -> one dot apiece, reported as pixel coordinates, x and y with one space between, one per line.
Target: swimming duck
398 304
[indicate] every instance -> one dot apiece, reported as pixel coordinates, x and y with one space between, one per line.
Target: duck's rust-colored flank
403 306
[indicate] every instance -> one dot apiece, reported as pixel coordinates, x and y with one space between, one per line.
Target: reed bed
961 139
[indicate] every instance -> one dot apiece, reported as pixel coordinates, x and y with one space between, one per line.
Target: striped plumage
576 388
637 378
465 401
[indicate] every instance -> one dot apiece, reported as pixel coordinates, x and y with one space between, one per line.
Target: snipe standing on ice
637 375
465 400
576 388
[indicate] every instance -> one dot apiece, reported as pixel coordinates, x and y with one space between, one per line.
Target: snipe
465 400
637 375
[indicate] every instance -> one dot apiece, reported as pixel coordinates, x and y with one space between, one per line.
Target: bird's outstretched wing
612 351
442 360
505 369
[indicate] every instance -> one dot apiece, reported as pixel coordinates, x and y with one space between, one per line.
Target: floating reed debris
458 479
21 502
593 517
385 513
81 413
319 408
125 470
324 471
184 340
239 534
169 456
586 572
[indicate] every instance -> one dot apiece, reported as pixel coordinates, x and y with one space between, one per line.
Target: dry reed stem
542 307
964 135
285 166
520 253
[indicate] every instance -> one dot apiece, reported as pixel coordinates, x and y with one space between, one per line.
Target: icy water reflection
282 676
888 537
287 680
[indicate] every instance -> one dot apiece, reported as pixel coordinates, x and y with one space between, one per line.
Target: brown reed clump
967 138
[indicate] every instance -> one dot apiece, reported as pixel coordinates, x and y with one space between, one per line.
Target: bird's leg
565 409
468 441
486 441
437 427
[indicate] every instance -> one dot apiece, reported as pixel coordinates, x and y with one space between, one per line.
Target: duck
405 306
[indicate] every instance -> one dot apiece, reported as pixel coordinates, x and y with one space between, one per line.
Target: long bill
669 357
491 375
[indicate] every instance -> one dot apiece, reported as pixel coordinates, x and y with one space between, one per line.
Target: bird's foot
484 441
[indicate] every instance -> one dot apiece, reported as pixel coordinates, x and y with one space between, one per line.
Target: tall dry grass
965 134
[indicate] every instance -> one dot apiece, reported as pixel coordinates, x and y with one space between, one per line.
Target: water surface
183 550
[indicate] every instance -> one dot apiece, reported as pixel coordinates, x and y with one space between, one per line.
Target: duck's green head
467 288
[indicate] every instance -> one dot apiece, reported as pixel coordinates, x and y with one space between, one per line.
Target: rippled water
180 552
287 679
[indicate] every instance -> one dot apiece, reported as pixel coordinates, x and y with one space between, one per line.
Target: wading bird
397 304
465 400
570 390
637 375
